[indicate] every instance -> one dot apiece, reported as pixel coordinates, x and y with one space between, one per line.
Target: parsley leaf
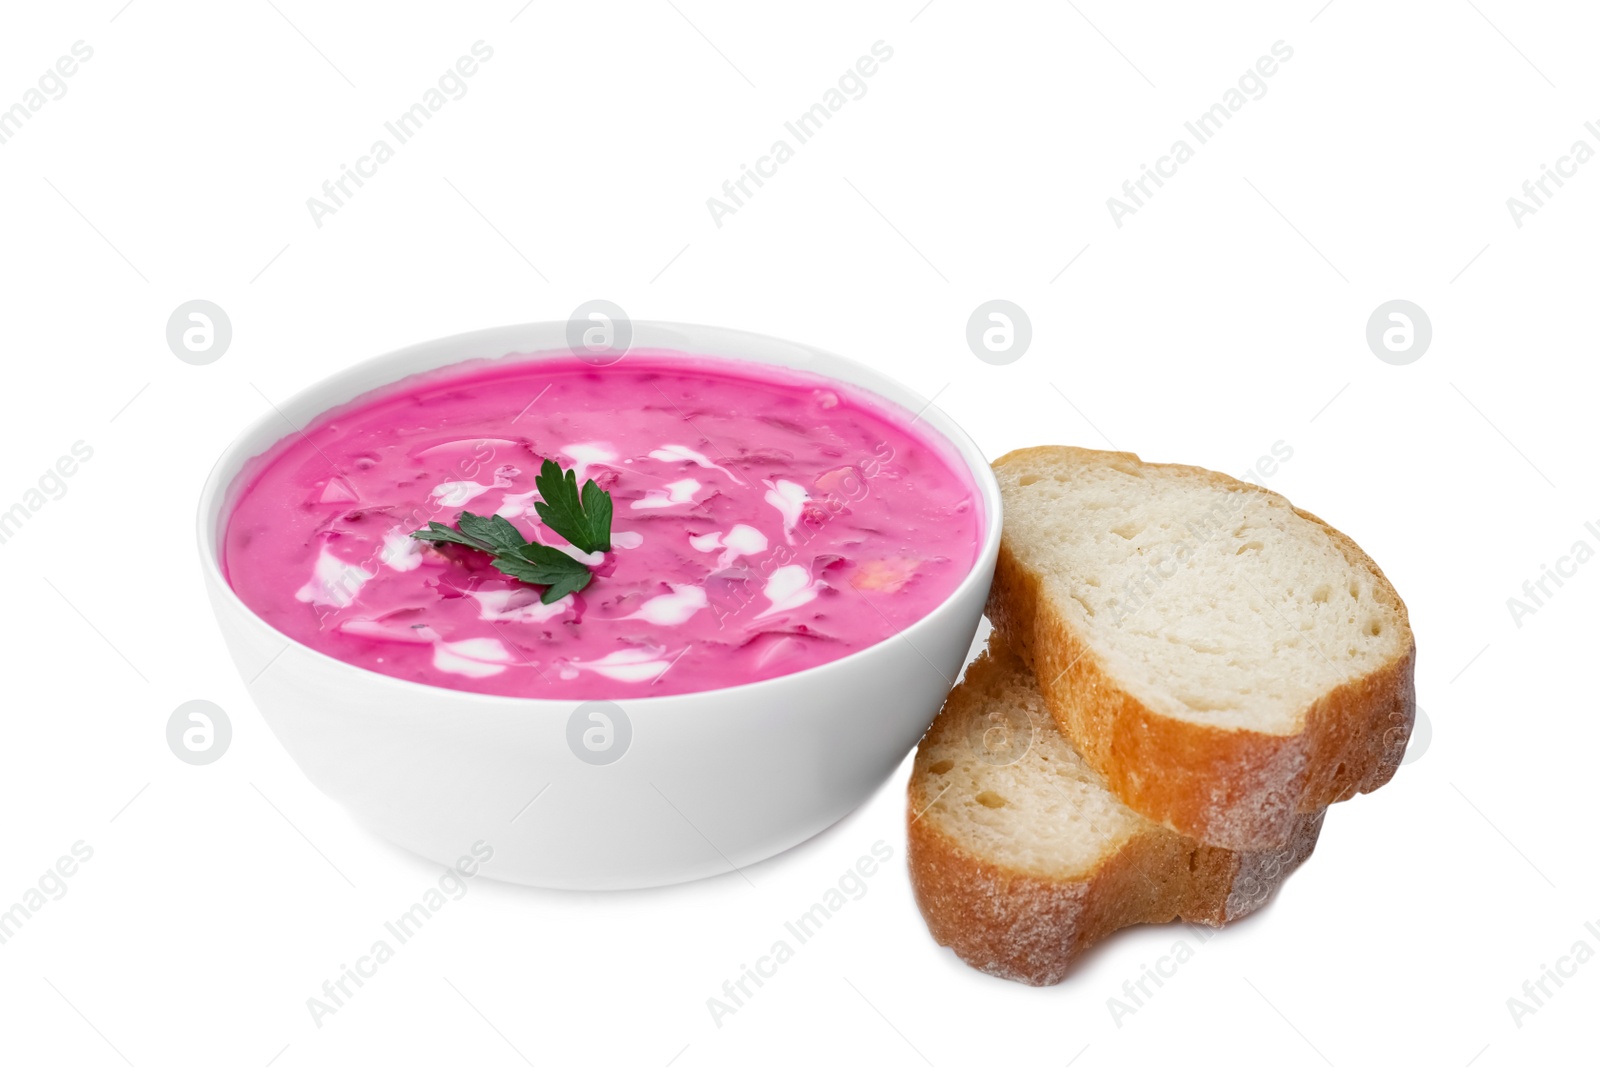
546 566
439 532
584 520
493 531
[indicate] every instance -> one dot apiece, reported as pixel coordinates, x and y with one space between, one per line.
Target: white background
1225 316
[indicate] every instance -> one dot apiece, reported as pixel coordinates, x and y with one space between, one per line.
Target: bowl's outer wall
712 781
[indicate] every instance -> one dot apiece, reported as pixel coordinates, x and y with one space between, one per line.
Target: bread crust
1236 788
1030 928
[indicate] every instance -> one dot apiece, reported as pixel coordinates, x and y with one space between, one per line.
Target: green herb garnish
583 519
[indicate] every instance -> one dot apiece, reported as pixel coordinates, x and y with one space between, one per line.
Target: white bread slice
1225 660
1021 858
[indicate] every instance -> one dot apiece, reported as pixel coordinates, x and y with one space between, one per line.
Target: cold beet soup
762 521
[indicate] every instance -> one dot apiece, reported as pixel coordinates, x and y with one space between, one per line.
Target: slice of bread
1226 661
1021 858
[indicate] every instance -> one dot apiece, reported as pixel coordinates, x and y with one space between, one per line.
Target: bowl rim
214 501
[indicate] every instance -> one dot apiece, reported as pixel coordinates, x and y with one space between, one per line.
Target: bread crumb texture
1210 599
1021 857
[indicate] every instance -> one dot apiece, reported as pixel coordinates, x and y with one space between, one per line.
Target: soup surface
764 521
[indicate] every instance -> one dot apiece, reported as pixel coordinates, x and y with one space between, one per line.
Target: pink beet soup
765 521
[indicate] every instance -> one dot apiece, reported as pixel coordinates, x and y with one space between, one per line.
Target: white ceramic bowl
710 781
